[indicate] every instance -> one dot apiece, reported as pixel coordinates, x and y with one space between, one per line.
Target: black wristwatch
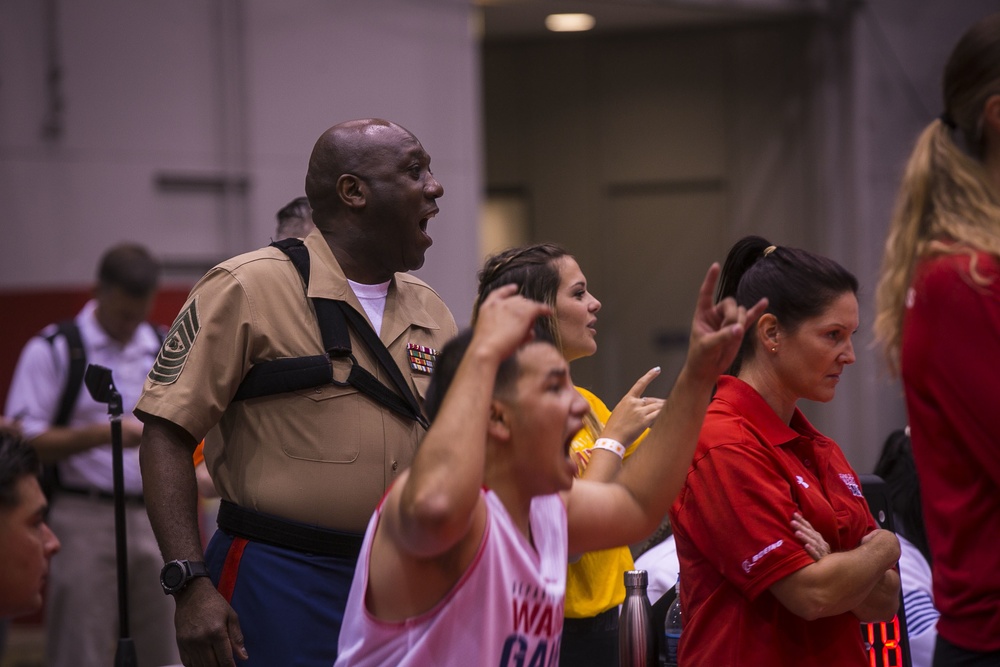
175 575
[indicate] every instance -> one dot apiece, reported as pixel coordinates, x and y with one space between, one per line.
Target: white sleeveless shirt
506 610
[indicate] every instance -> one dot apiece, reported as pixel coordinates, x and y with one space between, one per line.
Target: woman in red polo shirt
752 594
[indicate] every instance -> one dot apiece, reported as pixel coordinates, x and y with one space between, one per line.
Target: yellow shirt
596 583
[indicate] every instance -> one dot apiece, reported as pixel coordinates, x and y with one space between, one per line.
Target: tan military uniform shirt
323 456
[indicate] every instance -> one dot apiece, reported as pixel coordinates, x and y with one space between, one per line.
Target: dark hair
533 269
298 208
971 75
294 219
451 356
895 466
798 284
17 459
131 268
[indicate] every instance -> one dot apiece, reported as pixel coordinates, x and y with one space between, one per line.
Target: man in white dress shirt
81 613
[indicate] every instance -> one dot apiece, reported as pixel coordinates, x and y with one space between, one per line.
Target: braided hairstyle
534 270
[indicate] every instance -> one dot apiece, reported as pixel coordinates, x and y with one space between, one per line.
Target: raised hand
635 412
506 321
717 330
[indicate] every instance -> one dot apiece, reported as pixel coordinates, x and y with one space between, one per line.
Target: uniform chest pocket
326 424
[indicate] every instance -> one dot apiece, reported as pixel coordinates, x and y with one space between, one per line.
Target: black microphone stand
102 388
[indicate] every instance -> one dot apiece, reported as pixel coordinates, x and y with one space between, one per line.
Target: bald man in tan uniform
299 472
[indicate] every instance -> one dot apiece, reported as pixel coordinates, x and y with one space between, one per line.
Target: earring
774 349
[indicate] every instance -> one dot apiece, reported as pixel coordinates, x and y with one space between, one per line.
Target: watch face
173 575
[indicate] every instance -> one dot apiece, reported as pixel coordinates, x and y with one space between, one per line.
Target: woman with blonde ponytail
938 320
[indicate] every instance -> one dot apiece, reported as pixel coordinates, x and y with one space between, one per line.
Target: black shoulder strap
280 375
332 326
374 343
77 366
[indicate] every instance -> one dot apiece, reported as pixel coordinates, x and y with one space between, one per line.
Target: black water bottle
636 645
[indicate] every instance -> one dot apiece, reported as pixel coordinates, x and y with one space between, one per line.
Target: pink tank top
506 610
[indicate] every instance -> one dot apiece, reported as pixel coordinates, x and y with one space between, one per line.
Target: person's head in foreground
27 541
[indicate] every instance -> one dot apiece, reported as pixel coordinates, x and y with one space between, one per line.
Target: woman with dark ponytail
938 320
780 557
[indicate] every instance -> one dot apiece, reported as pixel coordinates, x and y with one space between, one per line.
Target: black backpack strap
77 360
77 366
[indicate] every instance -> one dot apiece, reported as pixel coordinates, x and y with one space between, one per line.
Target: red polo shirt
750 473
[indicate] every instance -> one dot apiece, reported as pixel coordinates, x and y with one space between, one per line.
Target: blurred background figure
938 318
71 431
895 466
595 583
294 220
28 542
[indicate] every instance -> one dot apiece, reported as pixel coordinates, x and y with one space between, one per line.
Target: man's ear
498 427
352 191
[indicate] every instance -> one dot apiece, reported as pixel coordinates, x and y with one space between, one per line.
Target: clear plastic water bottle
636 646
672 626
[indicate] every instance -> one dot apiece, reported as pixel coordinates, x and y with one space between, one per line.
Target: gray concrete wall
186 125
648 154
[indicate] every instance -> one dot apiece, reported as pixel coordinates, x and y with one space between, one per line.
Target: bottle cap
635 578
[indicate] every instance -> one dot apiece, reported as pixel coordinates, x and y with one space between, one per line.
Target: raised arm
430 509
628 509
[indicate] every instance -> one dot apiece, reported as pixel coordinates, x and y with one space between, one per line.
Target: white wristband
611 445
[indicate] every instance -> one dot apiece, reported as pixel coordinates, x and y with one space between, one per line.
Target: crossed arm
863 581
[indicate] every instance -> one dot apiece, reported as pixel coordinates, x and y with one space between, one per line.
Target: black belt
98 494
606 621
287 534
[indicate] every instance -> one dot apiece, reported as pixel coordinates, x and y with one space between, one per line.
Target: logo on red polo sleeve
750 562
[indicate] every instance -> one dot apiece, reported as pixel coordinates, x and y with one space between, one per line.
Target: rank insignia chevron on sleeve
176 346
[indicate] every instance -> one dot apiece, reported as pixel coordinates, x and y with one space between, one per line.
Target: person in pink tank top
464 560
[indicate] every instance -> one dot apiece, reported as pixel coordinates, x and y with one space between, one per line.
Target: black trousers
947 654
590 642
